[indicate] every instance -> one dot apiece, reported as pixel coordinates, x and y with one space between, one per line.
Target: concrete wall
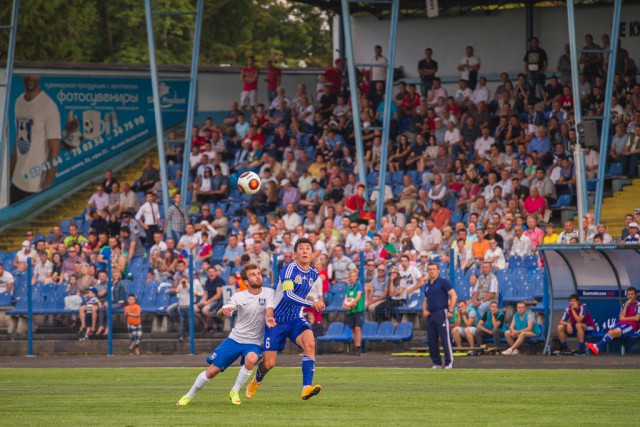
498 39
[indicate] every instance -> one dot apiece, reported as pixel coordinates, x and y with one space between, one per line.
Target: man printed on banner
37 144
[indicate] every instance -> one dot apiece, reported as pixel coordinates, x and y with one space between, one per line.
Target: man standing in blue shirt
439 301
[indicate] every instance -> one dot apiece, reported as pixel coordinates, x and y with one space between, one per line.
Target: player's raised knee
250 360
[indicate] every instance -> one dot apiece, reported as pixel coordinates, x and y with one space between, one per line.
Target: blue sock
563 345
308 368
260 375
581 345
604 341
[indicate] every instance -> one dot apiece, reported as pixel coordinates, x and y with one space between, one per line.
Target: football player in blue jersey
298 287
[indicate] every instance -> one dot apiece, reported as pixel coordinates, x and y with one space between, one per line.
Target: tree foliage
114 31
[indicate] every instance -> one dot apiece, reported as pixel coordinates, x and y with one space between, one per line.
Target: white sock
200 382
243 376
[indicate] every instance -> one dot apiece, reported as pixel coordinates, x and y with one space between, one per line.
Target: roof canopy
446 7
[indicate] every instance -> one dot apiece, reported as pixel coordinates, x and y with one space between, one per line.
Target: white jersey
36 122
249 327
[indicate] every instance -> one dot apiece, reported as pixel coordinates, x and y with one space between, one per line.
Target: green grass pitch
350 396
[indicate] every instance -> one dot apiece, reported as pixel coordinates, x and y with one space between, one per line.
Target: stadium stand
482 155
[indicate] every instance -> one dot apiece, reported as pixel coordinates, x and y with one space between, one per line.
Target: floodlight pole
579 171
153 66
606 120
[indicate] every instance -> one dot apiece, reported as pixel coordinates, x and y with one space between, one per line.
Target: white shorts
248 97
461 329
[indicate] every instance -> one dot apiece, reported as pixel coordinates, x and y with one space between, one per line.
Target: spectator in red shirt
249 79
274 76
440 214
334 76
534 204
356 203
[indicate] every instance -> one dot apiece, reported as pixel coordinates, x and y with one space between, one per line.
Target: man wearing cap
633 238
211 300
20 260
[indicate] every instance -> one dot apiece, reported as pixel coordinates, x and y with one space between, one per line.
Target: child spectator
354 306
134 324
90 310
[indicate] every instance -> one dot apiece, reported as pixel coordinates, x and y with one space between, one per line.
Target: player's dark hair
300 241
245 269
433 263
574 296
132 295
631 288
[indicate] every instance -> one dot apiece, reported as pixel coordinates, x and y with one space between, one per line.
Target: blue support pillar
452 267
191 106
153 66
276 273
581 176
192 315
29 307
608 93
110 309
364 313
4 114
386 121
353 85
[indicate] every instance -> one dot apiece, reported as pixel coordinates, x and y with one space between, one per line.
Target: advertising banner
61 126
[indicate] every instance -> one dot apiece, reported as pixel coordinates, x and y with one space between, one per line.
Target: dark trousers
149 232
631 165
438 327
481 335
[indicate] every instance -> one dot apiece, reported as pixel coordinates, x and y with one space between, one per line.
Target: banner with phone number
61 126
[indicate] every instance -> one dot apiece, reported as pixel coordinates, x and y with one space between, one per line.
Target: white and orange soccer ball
249 183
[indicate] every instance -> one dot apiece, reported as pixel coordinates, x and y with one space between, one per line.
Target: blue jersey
293 288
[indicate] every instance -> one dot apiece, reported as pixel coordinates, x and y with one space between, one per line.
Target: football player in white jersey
245 339
37 144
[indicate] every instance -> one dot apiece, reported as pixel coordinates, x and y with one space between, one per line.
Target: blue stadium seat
369 330
537 281
563 200
531 262
615 169
335 302
413 305
415 177
525 291
266 282
5 299
515 262
346 336
456 217
404 332
509 292
384 333
218 254
372 178
162 301
334 331
397 177
64 226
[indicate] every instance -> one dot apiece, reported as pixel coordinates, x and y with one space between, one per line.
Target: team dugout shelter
598 274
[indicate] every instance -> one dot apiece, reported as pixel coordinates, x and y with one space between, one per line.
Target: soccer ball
249 183
348 301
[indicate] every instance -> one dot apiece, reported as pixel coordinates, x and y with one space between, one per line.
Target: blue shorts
275 338
229 350
627 330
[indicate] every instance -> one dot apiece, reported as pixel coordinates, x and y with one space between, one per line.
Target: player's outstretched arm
269 318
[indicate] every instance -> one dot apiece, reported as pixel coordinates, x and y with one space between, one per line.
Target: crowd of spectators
471 171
